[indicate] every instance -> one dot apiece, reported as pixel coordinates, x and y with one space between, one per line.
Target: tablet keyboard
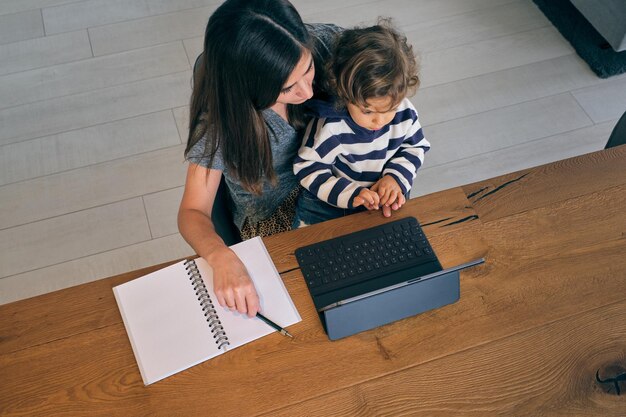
363 255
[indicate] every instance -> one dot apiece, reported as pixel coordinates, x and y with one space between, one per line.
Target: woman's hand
231 282
390 194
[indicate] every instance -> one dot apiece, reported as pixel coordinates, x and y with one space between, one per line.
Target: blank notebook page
166 324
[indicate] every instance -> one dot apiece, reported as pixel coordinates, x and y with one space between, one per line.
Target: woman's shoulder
323 28
324 32
200 153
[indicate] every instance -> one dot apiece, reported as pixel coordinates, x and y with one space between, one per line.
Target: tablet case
387 307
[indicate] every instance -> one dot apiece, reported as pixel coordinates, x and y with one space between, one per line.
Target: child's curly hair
372 62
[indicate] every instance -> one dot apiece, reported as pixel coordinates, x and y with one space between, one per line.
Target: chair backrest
221 215
618 136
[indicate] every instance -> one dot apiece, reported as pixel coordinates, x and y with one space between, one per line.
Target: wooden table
533 327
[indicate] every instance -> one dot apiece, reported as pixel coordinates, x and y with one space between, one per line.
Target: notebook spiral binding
219 334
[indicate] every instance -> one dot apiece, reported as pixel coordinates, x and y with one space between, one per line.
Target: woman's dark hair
372 62
250 49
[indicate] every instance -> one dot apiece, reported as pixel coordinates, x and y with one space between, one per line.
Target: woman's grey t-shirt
285 143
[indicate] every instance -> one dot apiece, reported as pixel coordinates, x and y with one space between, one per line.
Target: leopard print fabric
278 222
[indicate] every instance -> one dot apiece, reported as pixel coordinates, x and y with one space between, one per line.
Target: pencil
274 325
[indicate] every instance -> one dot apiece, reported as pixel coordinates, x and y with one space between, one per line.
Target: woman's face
299 86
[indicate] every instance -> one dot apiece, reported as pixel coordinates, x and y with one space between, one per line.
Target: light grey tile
72 236
502 128
193 47
437 25
149 31
603 102
94 107
162 210
78 148
403 12
181 115
492 55
504 161
436 34
90 13
493 90
14 6
42 52
191 23
307 7
93 267
95 185
20 26
91 74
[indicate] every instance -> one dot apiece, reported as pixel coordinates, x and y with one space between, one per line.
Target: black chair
222 217
618 136
221 214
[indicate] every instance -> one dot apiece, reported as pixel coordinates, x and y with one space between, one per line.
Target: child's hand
390 194
367 198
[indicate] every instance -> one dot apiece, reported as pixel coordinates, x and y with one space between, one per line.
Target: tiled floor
93 102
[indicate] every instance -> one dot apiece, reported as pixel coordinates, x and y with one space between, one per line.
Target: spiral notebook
173 319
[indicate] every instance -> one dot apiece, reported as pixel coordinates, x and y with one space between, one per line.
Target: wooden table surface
535 324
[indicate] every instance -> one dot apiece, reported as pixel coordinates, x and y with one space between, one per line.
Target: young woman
258 65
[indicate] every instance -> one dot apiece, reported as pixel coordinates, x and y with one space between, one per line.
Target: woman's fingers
240 302
220 298
229 300
252 302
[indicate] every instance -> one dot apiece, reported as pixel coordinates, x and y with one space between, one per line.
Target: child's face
376 115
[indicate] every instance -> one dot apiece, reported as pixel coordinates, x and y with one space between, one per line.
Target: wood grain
507 296
536 187
533 325
538 373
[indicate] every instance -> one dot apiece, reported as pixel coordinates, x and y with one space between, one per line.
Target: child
362 151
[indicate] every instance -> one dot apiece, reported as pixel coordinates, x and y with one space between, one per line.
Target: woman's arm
232 284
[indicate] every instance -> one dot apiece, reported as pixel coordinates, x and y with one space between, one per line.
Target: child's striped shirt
338 157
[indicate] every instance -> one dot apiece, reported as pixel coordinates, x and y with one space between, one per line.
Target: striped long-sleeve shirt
338 157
